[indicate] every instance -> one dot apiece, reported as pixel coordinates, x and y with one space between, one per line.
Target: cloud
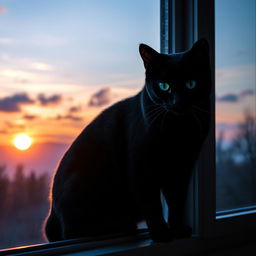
18 75
240 53
74 109
70 114
3 10
3 131
234 76
70 117
54 99
247 92
100 98
236 97
41 66
14 126
30 117
230 97
13 103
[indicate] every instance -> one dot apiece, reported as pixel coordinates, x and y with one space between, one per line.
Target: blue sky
57 57
86 40
72 50
90 40
235 32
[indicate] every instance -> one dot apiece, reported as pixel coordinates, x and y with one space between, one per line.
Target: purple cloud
241 53
233 98
74 109
228 98
100 98
246 92
69 117
54 99
13 103
30 117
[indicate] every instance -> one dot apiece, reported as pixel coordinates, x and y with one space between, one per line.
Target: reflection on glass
235 103
61 63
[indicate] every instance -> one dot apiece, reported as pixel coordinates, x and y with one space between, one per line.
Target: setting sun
22 141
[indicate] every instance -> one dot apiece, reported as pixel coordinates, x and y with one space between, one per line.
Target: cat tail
52 227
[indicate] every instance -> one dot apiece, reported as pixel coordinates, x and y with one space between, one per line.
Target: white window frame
182 23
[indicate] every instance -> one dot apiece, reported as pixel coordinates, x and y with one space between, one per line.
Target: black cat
112 175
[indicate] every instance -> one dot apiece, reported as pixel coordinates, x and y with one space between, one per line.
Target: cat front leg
150 205
158 228
144 181
176 199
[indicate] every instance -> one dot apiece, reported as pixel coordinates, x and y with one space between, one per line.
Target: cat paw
165 235
181 232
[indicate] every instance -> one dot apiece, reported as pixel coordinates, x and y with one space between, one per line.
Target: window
185 22
182 23
235 104
235 124
62 62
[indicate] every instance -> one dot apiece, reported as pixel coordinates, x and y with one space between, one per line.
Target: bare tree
245 146
4 190
236 165
245 142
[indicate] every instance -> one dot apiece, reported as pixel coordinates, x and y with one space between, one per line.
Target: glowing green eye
164 87
191 84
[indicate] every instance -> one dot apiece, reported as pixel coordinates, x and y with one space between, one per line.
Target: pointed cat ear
147 54
200 51
201 46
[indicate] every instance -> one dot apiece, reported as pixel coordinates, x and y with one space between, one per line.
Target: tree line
24 199
236 166
23 206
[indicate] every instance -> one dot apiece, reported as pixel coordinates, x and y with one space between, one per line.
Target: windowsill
236 212
142 245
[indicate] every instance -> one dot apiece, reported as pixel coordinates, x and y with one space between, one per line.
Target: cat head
178 81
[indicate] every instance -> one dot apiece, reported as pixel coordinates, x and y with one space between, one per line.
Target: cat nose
173 99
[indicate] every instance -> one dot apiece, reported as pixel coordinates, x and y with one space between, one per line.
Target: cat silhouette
112 175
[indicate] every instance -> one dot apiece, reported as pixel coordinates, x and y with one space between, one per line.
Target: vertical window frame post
182 23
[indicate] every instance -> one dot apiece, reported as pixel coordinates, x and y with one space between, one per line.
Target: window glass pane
235 103
62 62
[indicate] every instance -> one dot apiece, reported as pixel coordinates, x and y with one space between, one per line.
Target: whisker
199 109
153 110
162 121
198 122
152 106
152 115
156 116
149 110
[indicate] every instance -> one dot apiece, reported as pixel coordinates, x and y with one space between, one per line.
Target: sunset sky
62 62
55 55
235 30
